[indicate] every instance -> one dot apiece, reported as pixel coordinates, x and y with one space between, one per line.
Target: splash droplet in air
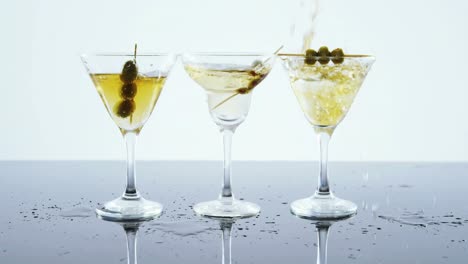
304 20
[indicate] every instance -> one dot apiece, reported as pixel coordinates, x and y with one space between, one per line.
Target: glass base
129 209
323 206
231 209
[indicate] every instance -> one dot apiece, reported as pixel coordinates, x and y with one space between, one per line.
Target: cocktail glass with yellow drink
129 86
228 80
325 84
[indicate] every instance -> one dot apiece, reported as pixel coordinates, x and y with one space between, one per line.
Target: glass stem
131 246
322 235
226 192
324 135
131 191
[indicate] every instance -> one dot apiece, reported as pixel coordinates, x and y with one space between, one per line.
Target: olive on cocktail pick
257 63
256 81
128 90
125 108
310 57
129 72
251 85
324 55
243 90
337 56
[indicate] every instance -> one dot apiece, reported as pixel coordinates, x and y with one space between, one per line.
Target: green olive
323 51
243 90
256 81
252 85
337 56
125 108
310 57
128 90
324 55
257 63
129 72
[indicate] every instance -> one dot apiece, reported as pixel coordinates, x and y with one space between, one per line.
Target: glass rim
126 54
345 57
227 54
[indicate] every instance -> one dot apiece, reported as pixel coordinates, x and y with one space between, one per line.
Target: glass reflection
226 229
322 237
131 231
225 225
323 229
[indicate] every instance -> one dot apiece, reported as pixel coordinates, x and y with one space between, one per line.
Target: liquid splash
183 228
78 212
303 27
418 219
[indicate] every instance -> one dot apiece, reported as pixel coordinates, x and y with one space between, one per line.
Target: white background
412 107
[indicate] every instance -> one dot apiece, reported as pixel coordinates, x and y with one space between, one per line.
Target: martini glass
129 86
325 93
228 80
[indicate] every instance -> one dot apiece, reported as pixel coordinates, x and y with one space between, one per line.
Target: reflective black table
408 213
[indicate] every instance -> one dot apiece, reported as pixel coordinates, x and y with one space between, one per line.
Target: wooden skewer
134 60
135 52
225 100
274 53
278 50
234 95
345 56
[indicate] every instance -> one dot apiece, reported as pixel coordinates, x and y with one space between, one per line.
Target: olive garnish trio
128 91
323 56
